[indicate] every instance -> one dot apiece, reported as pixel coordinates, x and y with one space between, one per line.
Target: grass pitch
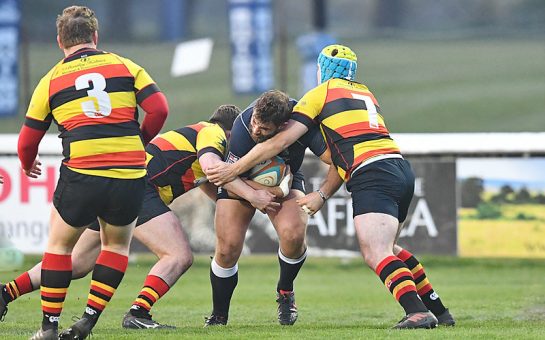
337 298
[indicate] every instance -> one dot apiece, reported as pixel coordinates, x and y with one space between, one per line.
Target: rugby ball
270 172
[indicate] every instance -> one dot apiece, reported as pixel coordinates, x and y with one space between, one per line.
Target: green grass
423 86
337 298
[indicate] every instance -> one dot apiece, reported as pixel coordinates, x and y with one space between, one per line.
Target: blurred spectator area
147 21
434 65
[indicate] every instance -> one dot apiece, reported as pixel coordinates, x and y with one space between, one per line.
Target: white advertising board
25 203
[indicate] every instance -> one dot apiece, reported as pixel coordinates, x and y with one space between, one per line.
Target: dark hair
76 25
224 116
273 107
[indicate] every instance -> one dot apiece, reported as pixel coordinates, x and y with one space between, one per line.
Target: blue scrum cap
337 61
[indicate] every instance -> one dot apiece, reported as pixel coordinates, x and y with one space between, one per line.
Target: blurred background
435 66
461 85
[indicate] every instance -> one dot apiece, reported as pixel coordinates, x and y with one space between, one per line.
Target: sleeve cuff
38 124
147 91
209 149
303 119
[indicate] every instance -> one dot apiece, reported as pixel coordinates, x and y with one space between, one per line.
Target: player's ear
95 38
59 42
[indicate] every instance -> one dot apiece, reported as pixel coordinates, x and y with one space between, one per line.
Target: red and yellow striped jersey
92 96
173 157
350 121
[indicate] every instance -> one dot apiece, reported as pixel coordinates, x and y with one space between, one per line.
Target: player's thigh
290 221
116 238
62 236
231 222
163 235
85 253
376 234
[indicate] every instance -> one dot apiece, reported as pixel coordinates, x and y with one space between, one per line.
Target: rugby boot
287 310
78 331
50 334
142 320
215 320
446 319
3 303
417 320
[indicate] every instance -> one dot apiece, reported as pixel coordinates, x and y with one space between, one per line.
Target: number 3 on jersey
371 109
96 84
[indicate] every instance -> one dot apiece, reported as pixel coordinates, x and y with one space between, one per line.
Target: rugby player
381 182
175 161
262 120
92 96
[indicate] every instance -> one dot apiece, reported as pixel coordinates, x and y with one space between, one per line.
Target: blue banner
9 48
251 36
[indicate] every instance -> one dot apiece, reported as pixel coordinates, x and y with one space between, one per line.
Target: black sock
289 268
7 296
222 291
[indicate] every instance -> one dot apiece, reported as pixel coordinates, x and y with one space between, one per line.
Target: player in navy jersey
259 122
380 181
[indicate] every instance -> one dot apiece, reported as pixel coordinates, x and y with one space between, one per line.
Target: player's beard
262 138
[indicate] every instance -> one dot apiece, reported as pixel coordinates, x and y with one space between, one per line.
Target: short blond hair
76 25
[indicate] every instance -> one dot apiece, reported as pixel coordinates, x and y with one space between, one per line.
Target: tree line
472 190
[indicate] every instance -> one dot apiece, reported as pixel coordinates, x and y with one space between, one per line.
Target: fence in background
432 225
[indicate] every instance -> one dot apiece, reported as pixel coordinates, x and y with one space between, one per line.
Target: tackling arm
260 199
223 173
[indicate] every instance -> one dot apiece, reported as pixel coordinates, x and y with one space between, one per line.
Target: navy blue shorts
385 186
80 198
298 183
152 206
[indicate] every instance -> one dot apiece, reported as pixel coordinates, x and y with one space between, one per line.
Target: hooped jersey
173 157
242 143
350 120
92 96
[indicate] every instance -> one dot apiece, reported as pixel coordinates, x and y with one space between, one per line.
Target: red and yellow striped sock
107 275
423 285
20 286
398 279
56 277
154 288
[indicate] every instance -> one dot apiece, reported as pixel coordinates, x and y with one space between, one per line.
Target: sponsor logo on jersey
231 158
